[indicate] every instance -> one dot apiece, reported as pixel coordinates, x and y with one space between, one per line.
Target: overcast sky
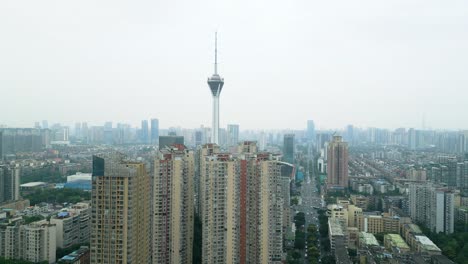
368 63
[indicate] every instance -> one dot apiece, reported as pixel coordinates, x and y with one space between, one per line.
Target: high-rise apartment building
337 167
38 242
173 206
261 209
154 131
202 152
10 240
35 242
220 206
232 135
288 148
433 206
242 207
17 140
9 183
120 217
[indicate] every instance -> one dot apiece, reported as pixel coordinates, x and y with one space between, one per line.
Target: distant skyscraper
84 132
232 135
173 206
337 166
154 131
215 82
350 134
144 132
198 138
108 135
310 130
14 140
288 148
320 140
9 183
120 218
412 138
45 124
222 137
78 130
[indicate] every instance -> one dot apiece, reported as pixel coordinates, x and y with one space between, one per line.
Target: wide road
311 200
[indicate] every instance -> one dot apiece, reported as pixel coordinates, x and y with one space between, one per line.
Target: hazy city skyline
376 64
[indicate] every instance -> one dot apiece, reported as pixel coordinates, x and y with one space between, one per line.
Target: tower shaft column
215 124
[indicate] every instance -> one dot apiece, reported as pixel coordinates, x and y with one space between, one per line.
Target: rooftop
426 243
33 184
368 238
335 227
414 229
397 241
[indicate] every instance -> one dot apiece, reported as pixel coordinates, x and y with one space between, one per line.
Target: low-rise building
336 233
395 244
335 211
367 240
72 225
425 245
360 201
461 214
80 256
375 223
409 232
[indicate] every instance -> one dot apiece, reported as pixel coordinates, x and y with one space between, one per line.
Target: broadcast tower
216 85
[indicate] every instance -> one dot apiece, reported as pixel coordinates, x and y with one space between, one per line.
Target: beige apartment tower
242 207
173 207
120 216
220 209
337 167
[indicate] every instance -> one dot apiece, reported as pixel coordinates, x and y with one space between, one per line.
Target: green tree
65 195
294 201
30 219
299 219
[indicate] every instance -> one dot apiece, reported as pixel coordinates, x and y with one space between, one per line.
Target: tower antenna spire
216 53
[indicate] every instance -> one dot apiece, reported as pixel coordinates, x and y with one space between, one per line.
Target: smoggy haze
367 63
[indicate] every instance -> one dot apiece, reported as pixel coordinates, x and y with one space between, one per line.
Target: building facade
154 131
337 166
232 135
241 200
173 207
288 148
9 183
432 206
120 217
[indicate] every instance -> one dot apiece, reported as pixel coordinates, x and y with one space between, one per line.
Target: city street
311 201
